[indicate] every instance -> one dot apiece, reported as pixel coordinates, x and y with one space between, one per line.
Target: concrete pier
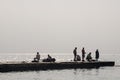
7 67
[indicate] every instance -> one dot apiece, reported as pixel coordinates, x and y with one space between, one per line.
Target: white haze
57 26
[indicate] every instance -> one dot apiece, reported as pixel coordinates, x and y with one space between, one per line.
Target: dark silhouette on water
75 54
5 67
83 54
49 63
97 55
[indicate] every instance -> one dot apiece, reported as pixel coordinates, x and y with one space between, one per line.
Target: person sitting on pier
37 58
78 58
89 58
49 59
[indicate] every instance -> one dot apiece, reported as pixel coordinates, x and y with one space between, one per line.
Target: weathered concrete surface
6 67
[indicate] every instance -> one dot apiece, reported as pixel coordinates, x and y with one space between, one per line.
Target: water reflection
85 72
65 74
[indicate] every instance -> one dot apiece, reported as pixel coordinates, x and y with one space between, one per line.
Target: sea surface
103 73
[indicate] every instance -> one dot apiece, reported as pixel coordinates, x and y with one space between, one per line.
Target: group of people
48 59
88 57
76 56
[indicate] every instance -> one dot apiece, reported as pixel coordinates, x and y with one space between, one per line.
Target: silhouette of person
78 58
83 54
49 57
89 58
97 55
37 58
75 53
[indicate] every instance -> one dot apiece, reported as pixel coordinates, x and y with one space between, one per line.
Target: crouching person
49 59
78 58
89 58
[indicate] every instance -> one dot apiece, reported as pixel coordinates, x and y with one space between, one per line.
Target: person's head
37 52
90 53
75 47
83 47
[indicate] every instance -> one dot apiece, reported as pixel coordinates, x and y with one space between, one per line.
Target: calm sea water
103 73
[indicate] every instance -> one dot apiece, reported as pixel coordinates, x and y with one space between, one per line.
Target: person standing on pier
83 54
75 54
97 55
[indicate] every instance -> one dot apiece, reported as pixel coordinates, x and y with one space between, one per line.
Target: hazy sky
59 25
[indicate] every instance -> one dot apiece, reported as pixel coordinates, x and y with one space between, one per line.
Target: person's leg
82 57
74 57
